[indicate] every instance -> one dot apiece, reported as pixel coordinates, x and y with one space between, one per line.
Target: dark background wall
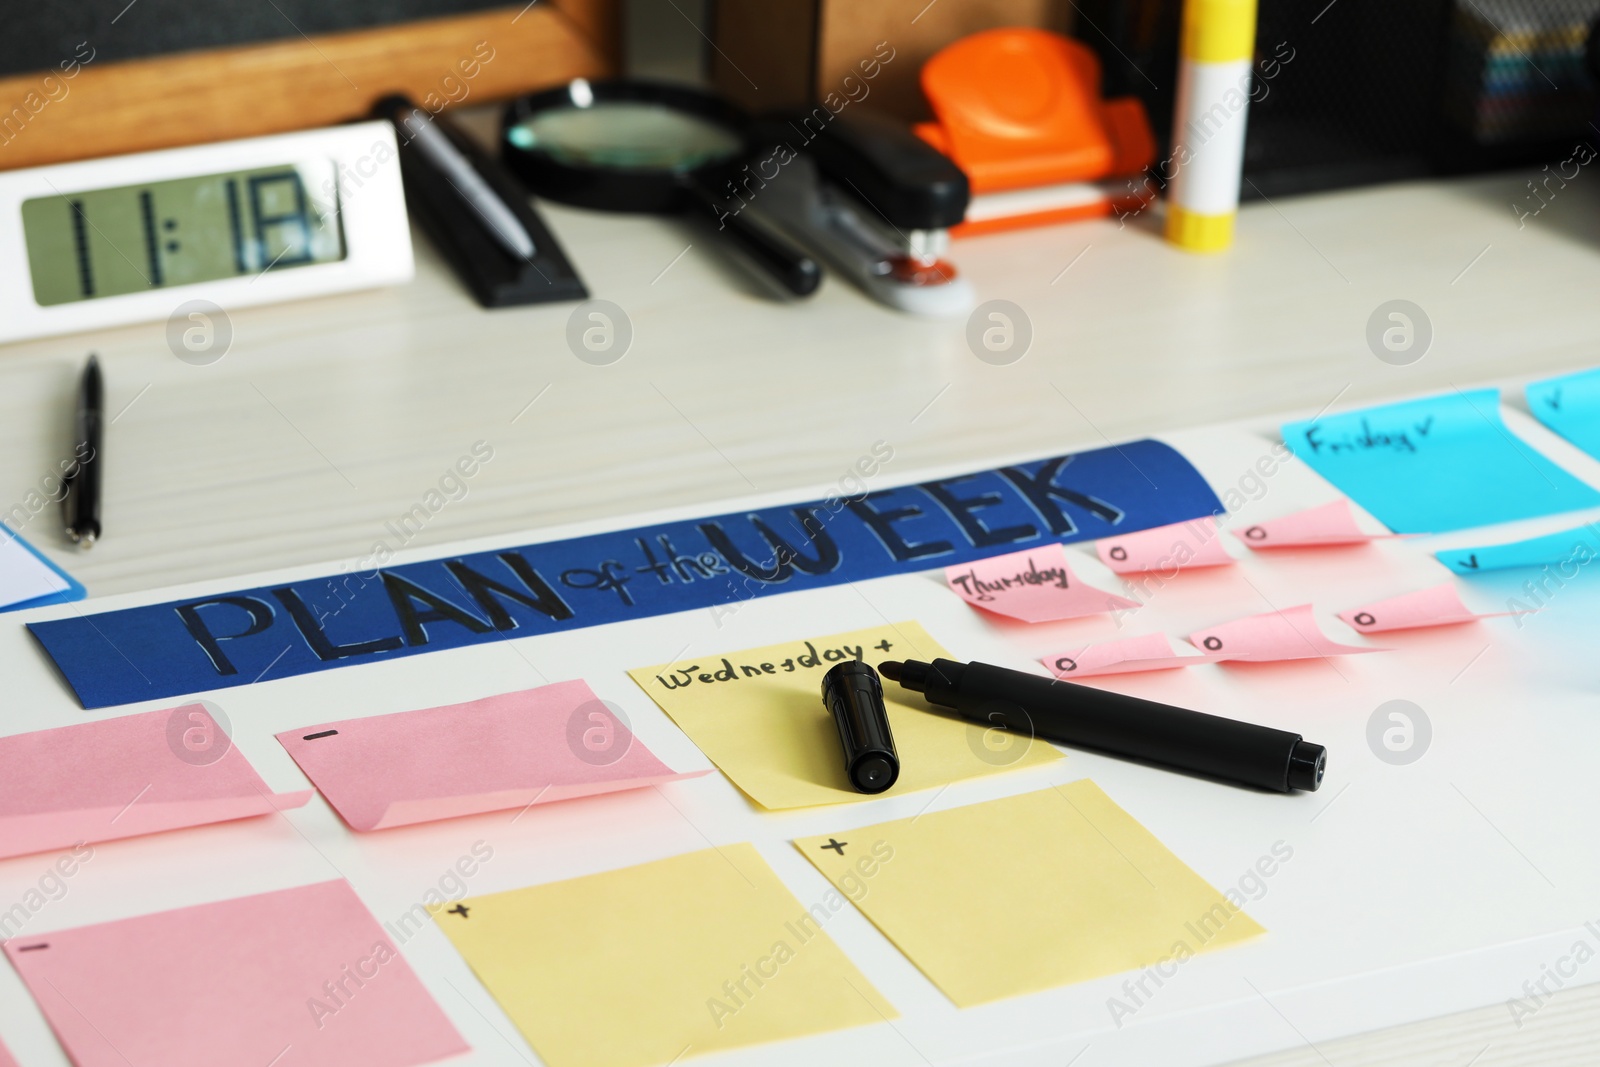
38 35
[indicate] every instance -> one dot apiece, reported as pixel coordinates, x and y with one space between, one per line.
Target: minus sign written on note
33 948
313 737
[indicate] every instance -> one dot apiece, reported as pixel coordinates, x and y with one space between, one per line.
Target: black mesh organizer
1359 91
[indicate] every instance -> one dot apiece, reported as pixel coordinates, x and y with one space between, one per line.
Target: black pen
422 130
1116 724
82 502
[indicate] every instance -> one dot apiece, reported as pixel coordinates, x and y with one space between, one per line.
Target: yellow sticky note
1029 892
651 964
758 715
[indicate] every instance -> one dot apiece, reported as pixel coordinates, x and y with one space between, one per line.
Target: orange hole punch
1020 111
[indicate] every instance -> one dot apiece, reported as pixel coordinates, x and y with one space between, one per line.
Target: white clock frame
377 234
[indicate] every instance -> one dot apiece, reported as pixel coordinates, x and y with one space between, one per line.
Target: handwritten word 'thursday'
979 589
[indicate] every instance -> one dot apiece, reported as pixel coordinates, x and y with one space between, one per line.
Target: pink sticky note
1165 549
1329 524
300 977
1035 586
5 1056
139 774
1439 605
1271 636
508 751
1148 652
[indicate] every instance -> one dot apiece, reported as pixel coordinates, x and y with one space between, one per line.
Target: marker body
1122 725
1208 122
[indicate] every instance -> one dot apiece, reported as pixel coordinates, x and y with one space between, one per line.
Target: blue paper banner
190 646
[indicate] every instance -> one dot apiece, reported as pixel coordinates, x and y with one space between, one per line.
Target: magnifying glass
641 147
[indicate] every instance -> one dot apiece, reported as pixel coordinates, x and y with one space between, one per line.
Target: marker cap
1306 765
853 695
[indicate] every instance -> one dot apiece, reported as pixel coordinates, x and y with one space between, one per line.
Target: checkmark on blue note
1438 464
1570 405
1568 550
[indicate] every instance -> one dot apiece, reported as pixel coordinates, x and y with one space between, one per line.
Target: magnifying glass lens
624 135
637 147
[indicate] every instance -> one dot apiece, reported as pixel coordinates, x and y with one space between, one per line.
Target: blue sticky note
1438 464
73 591
1570 405
1569 548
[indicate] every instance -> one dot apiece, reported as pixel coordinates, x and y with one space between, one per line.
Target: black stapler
875 201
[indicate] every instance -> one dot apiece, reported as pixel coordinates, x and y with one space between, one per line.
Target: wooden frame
772 54
85 110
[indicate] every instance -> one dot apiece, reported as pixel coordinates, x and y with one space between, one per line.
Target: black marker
1117 724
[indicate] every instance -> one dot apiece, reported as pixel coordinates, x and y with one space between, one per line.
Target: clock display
106 242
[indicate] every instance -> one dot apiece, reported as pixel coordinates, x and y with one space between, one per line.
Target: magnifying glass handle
776 255
794 270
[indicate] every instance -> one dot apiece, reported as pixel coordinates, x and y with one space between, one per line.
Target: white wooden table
331 418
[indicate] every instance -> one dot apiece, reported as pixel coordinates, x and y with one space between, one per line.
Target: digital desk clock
126 239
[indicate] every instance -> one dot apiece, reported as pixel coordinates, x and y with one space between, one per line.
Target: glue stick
1208 122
